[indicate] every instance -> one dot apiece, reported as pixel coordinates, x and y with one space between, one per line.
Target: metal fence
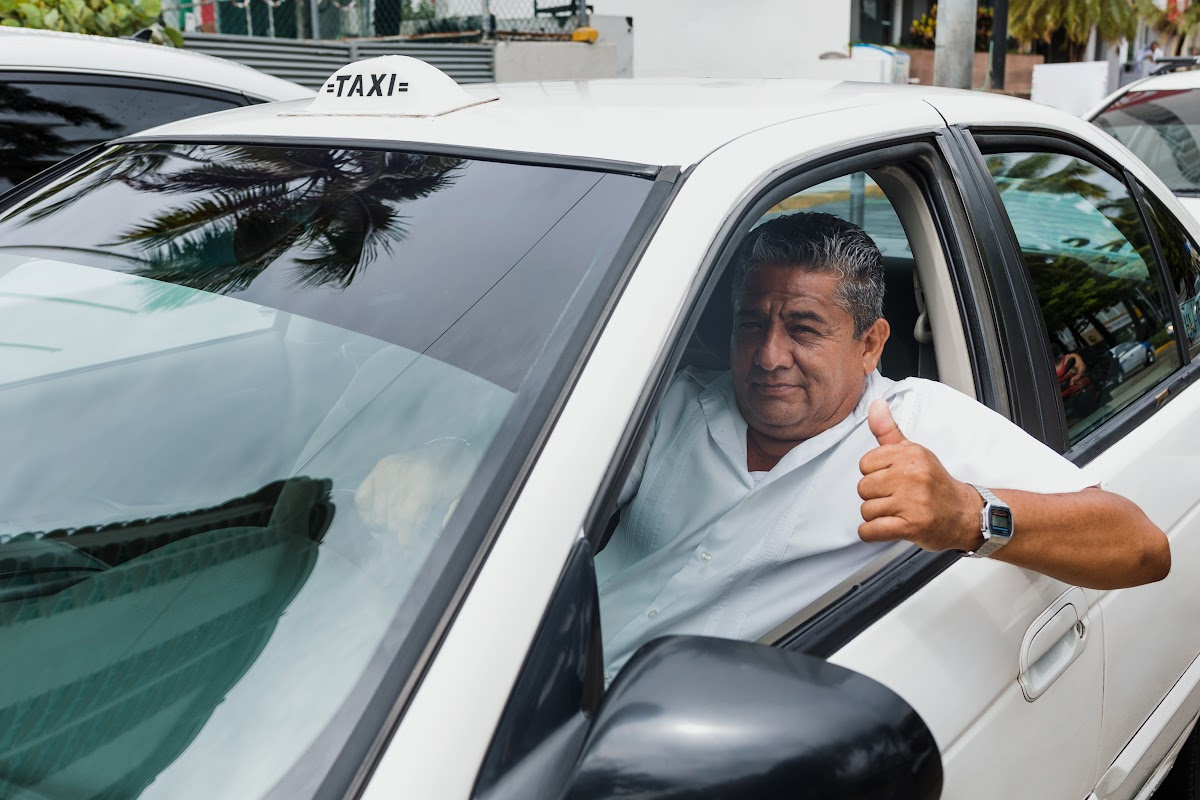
309 63
418 20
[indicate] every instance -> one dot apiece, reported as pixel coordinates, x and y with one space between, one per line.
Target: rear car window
216 358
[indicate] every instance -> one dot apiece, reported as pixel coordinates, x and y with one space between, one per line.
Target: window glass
1088 256
1161 128
41 123
243 391
1183 264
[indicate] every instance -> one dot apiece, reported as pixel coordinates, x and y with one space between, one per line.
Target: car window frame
139 82
862 598
994 139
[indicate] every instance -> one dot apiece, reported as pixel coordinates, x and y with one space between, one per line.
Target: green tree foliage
420 9
100 17
1039 19
1170 22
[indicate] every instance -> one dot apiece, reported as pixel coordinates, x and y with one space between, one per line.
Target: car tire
1183 781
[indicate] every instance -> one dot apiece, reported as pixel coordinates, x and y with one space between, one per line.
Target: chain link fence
418 20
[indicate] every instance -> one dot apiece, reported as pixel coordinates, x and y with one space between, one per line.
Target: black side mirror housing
692 717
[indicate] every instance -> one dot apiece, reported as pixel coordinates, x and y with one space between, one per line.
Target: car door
985 652
1130 427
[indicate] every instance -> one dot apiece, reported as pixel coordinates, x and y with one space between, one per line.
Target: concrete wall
554 61
618 31
719 38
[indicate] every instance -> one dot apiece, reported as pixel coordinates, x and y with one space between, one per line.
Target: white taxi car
61 93
215 330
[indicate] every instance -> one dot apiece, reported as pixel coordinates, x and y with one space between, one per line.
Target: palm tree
1050 173
333 210
1039 19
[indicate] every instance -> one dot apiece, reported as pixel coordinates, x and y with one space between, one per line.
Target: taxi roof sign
392 86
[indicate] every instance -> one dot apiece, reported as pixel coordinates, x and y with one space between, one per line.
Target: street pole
954 44
314 19
583 14
999 42
485 20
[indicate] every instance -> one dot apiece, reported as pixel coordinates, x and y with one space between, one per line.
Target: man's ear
873 340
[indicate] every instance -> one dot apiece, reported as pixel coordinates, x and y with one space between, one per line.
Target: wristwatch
995 523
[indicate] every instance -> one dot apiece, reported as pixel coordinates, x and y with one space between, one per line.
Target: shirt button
607 677
651 614
706 557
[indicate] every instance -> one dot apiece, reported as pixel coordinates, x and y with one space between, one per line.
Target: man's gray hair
817 242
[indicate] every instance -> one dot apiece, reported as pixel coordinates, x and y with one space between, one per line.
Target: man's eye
749 326
803 330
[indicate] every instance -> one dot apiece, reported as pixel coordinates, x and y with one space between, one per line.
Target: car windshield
244 390
1162 129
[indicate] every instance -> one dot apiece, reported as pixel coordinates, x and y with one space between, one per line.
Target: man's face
797 368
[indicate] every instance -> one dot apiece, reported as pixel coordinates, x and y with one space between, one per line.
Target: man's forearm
1091 538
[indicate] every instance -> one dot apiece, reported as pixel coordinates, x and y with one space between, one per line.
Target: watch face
1000 521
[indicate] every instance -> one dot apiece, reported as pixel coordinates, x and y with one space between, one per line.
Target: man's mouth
774 388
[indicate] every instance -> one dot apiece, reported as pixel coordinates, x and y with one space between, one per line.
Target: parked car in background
1132 356
215 330
1158 118
61 93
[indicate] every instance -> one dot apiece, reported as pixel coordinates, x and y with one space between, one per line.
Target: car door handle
1053 642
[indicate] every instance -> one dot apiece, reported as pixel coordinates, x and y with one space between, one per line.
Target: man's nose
774 353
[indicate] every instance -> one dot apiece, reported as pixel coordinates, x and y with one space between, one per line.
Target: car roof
1180 79
51 51
645 121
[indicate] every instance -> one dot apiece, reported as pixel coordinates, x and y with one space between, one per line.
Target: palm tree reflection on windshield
332 211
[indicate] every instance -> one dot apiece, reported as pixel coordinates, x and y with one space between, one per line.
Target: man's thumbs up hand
907 493
879 418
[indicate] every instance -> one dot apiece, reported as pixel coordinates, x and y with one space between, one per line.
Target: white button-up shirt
706 547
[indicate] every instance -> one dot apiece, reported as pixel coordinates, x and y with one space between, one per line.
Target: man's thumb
879 418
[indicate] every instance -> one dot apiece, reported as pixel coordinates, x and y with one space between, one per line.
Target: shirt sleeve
977 445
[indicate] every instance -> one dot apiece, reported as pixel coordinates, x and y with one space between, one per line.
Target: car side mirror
694 717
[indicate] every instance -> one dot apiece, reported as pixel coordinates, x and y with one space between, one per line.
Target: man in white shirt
762 487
